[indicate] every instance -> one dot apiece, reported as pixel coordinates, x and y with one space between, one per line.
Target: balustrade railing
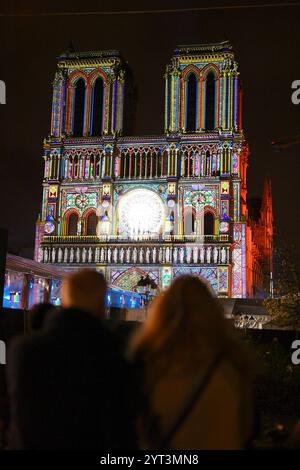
91 239
193 253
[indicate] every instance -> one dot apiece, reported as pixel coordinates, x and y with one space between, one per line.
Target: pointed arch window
209 222
133 165
143 165
70 167
191 103
159 164
148 164
154 165
97 108
91 224
98 166
92 167
165 163
76 167
72 224
207 163
127 165
210 105
186 164
79 105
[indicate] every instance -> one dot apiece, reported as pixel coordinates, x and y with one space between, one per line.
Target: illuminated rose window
141 212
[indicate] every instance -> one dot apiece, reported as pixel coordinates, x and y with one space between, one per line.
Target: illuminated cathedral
155 205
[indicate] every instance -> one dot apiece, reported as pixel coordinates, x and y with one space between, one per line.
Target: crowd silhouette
183 380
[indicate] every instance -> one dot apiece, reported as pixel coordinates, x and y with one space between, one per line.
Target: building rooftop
204 48
71 54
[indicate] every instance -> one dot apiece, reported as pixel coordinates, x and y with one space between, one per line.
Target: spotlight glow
141 212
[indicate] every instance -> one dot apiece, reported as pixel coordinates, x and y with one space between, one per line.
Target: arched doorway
129 279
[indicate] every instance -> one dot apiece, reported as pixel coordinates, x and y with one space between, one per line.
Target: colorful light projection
141 212
223 279
128 278
150 185
166 277
81 200
207 273
239 261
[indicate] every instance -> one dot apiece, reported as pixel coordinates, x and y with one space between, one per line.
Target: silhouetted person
37 315
70 387
197 373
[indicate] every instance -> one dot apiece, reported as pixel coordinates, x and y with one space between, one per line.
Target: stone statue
195 255
188 254
115 255
66 255
202 254
223 255
134 257
71 255
141 255
215 255
208 254
77 255
128 255
154 255
175 254
181 255
122 255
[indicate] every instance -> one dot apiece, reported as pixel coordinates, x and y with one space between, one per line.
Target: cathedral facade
157 205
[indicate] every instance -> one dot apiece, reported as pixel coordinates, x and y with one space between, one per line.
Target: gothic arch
96 74
79 106
97 106
129 278
71 216
211 209
191 91
209 222
76 166
210 68
75 76
90 222
210 109
190 69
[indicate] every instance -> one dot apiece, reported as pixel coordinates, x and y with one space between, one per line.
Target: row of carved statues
125 254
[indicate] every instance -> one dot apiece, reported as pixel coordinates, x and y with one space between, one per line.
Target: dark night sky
267 44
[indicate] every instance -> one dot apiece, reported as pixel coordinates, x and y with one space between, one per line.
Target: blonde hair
186 327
